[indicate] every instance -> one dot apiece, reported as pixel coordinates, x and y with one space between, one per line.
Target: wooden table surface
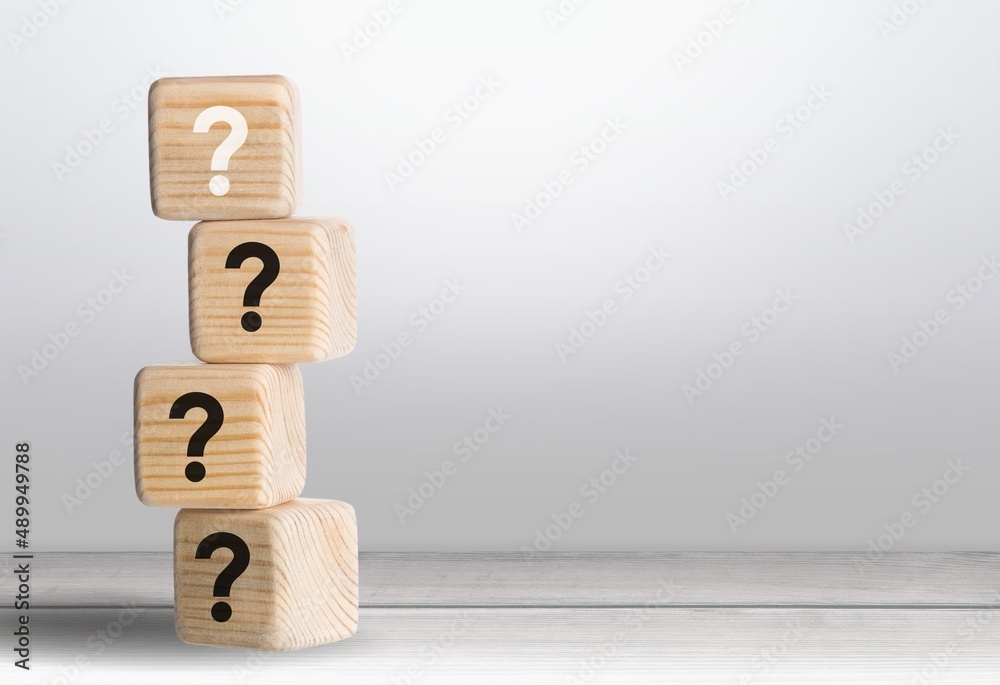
556 618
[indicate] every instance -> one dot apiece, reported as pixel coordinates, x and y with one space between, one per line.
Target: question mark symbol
195 470
251 298
219 185
221 611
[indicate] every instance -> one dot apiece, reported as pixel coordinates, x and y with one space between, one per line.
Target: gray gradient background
494 347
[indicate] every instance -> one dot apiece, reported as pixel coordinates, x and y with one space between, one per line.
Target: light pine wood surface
308 313
263 174
297 585
255 459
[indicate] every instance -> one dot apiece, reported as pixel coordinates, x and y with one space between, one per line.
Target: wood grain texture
256 459
596 579
681 646
309 312
265 173
300 588
933 615
588 580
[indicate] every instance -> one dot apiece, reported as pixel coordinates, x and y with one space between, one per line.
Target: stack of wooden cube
225 440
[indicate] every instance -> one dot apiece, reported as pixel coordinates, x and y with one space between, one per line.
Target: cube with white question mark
276 579
224 147
223 436
272 291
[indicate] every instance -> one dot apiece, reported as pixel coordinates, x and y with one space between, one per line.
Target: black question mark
251 298
221 611
195 470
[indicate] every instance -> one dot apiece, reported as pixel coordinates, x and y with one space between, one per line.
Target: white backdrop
674 275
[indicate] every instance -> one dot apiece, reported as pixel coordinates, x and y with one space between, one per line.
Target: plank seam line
578 607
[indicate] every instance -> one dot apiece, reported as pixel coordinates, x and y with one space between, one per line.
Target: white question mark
219 185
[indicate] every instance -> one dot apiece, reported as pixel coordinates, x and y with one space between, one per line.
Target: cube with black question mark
278 291
219 435
276 579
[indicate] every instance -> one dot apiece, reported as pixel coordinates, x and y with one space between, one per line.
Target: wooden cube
272 291
219 436
224 147
287 578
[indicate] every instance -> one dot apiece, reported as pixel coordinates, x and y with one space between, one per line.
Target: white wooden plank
505 579
463 645
699 579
